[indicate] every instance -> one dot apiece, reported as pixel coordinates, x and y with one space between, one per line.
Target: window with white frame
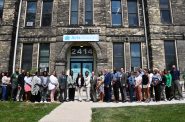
88 12
31 13
132 13
47 12
118 55
74 12
116 12
135 51
27 57
165 12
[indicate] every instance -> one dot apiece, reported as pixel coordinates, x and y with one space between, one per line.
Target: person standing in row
21 85
5 83
80 84
27 86
53 85
35 87
115 84
44 86
71 85
145 82
138 80
63 86
175 81
123 85
107 85
87 79
168 85
156 80
93 82
163 84
131 83
100 86
14 82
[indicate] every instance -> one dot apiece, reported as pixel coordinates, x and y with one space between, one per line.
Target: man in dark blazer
107 85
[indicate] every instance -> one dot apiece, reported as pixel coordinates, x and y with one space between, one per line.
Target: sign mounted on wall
81 51
84 37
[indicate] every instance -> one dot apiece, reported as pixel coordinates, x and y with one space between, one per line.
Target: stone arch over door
66 46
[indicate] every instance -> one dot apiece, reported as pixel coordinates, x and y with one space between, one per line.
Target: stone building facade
128 42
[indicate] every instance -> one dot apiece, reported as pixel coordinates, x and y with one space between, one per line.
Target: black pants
168 92
63 94
157 92
116 91
107 90
151 91
21 93
71 94
36 98
14 93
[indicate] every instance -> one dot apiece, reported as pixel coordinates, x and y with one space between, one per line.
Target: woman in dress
138 86
100 86
52 86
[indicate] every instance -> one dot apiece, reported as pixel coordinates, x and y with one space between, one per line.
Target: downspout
146 36
16 37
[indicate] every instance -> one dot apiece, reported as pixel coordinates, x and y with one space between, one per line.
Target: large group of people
108 86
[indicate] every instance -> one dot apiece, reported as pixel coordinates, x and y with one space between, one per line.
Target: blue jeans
4 92
131 93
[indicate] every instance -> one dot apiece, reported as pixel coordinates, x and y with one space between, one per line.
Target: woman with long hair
80 84
27 86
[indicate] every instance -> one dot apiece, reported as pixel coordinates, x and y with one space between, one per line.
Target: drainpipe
146 36
16 37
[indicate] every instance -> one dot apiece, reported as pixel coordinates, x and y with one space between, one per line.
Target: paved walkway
81 111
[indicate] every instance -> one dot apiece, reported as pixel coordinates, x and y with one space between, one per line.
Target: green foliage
33 70
24 112
158 113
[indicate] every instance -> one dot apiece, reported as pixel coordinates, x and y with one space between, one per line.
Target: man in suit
123 85
107 85
93 82
63 86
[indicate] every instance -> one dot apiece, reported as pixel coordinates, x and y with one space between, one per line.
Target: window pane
116 19
74 18
88 12
1 8
133 19
135 49
132 6
74 5
118 55
46 19
31 13
88 18
116 6
170 54
47 13
27 57
165 16
74 11
88 5
44 56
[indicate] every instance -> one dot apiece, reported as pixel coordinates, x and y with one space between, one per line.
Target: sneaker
41 101
45 102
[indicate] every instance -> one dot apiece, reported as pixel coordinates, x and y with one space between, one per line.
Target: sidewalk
70 112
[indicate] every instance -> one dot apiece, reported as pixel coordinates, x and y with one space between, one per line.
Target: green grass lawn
24 112
160 113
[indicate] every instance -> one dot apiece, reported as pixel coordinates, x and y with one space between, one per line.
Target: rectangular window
74 12
116 12
47 12
132 13
31 13
44 55
118 55
1 8
170 54
165 12
88 12
27 57
135 51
